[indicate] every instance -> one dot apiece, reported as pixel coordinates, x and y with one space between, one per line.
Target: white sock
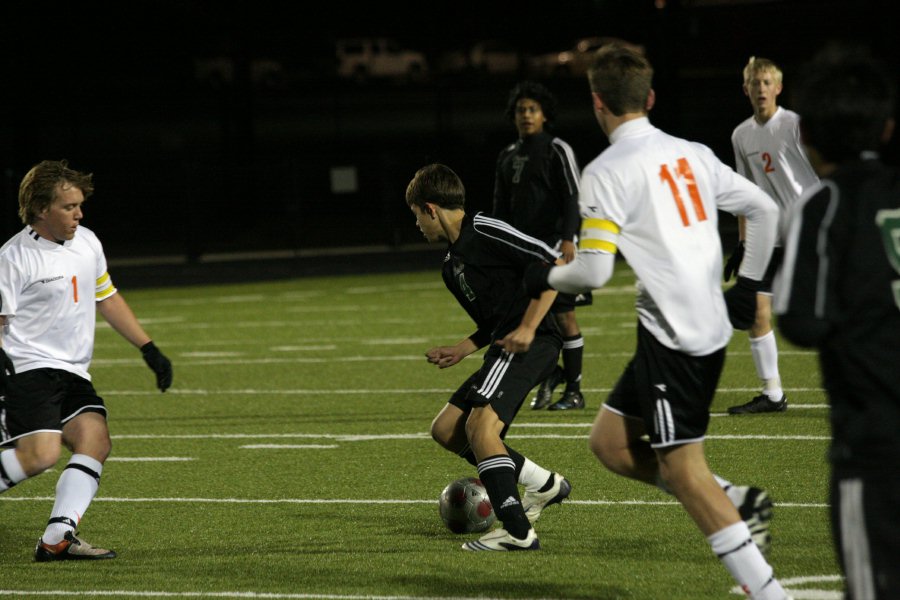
765 358
533 476
74 491
737 552
11 471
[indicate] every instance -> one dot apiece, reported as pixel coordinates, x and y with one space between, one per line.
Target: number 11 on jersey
683 177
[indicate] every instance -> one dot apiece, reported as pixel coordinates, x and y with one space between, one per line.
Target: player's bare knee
37 459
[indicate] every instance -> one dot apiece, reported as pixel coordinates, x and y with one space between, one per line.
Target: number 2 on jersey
685 178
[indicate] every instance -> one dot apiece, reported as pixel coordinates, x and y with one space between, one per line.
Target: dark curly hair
534 91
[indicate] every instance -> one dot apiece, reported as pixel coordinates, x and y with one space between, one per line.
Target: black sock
467 454
498 474
572 358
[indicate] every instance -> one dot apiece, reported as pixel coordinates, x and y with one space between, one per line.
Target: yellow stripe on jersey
598 234
104 288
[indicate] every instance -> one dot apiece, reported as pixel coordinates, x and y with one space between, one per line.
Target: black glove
734 262
535 278
741 302
6 369
160 365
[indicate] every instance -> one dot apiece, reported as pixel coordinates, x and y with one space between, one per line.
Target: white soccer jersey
48 293
655 197
772 156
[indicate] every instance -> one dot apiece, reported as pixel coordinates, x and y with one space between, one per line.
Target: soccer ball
465 507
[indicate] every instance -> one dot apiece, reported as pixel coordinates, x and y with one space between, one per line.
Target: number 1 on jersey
686 177
75 288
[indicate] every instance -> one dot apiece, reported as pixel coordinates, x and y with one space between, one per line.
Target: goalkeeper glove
734 262
740 300
159 364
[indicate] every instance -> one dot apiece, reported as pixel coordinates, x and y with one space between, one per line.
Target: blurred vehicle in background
493 57
574 61
363 58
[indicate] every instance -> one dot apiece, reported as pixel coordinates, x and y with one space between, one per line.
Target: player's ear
651 100
597 101
431 210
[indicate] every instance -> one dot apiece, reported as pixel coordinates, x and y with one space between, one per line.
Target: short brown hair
38 187
622 77
437 184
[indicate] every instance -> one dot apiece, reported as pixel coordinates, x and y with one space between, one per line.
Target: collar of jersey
44 242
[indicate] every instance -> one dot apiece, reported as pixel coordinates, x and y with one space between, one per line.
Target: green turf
332 371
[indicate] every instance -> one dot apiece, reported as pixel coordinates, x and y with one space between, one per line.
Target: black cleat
71 548
544 395
571 399
760 404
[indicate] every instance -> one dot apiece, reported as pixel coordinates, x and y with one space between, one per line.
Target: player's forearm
537 309
760 233
118 314
589 271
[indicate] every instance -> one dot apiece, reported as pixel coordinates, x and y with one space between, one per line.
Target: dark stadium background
194 171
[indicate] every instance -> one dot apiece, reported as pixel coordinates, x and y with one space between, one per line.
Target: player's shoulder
15 245
743 127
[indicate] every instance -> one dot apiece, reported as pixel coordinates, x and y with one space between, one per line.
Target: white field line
365 437
251 595
188 500
242 359
397 391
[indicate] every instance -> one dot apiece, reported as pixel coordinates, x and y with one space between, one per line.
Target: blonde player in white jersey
655 197
53 281
768 152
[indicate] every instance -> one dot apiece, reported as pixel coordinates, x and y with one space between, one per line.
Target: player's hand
535 278
445 356
159 364
517 340
741 302
6 369
734 261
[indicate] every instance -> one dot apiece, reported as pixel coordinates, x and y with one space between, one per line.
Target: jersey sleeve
566 179
103 286
804 287
739 196
10 284
516 247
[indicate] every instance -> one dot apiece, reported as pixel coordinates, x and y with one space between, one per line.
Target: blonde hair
757 65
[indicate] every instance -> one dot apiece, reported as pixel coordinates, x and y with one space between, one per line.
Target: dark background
189 163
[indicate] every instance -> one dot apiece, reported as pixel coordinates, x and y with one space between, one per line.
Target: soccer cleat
756 511
71 548
570 399
535 502
544 395
499 540
760 404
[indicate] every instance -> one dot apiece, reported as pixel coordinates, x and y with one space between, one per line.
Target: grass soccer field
291 459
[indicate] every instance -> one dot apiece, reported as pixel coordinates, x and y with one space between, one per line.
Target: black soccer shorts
504 379
45 400
669 390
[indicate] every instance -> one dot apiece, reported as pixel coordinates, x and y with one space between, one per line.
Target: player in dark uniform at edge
536 191
839 291
483 269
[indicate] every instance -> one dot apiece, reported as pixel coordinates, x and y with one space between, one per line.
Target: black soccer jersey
839 290
536 188
484 269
